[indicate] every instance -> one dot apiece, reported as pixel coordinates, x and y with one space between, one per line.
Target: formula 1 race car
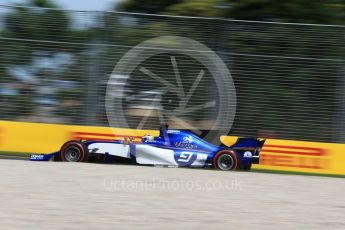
177 148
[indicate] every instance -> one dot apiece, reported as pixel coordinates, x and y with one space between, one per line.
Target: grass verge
14 154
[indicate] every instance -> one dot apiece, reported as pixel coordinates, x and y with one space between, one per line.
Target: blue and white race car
178 148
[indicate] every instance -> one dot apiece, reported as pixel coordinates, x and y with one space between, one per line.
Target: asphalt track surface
55 195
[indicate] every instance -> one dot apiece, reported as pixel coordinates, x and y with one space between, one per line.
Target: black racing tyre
226 160
74 151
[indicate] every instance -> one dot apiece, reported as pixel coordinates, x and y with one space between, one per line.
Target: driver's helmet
147 138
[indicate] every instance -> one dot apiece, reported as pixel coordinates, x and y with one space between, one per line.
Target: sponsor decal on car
36 156
182 145
247 154
186 143
173 131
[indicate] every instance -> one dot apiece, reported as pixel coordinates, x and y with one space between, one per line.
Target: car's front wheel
225 160
74 151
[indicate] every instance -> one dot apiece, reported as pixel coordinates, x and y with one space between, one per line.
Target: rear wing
251 144
248 143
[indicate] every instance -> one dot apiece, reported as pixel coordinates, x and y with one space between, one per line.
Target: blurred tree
44 23
35 60
146 6
307 11
205 8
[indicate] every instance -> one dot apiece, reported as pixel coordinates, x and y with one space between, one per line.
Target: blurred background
286 59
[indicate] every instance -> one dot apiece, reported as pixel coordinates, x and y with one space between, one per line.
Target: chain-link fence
290 78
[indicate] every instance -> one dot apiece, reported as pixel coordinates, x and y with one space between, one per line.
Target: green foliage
36 24
205 8
307 11
146 6
42 3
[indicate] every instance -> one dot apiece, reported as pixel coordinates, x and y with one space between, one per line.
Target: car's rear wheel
74 151
225 160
